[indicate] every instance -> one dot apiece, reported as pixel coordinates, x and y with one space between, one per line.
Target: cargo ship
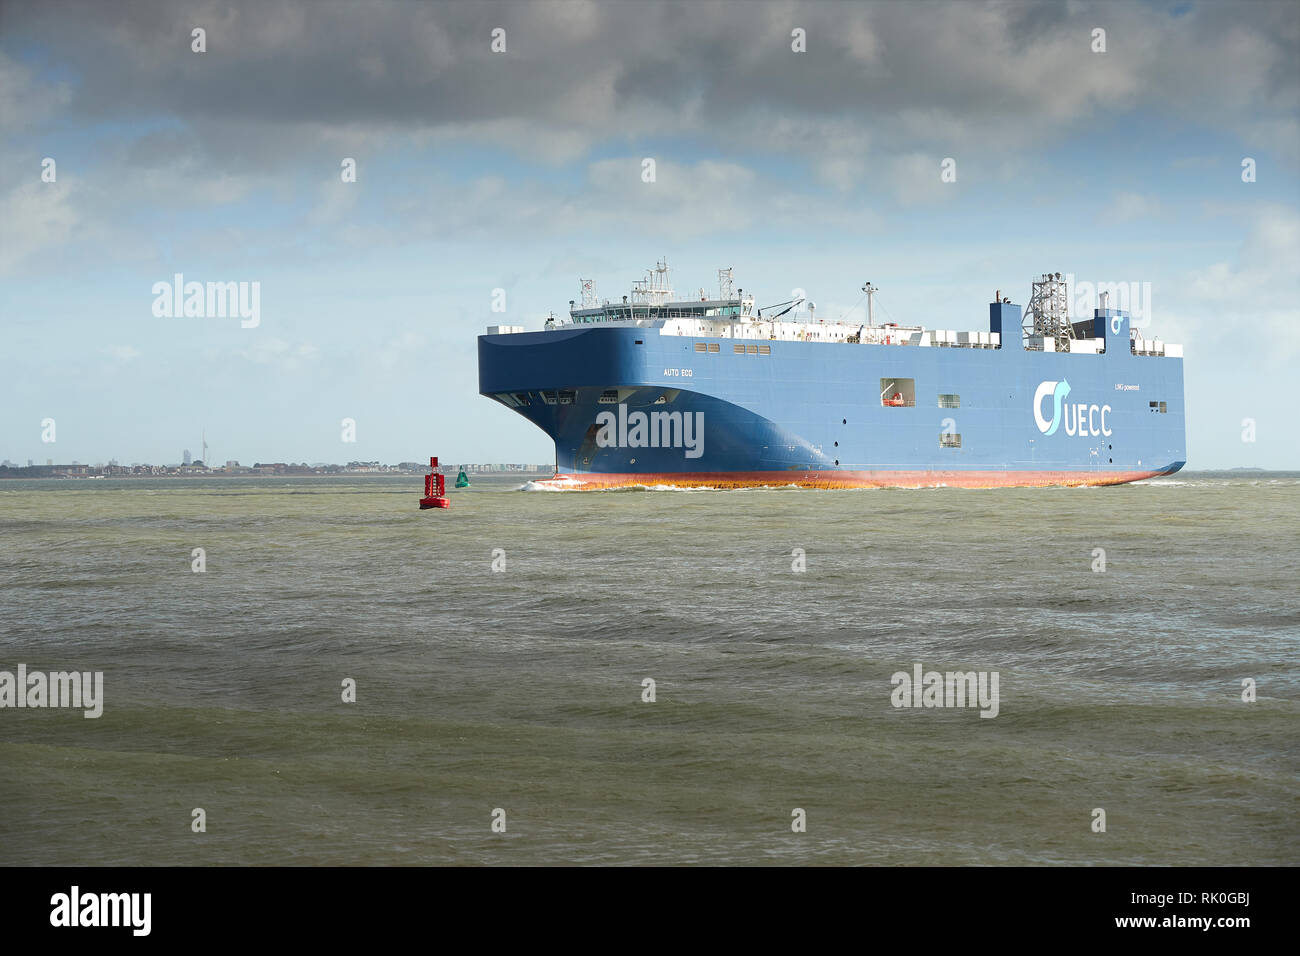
711 392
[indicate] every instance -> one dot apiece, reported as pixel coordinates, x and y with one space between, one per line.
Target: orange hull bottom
849 479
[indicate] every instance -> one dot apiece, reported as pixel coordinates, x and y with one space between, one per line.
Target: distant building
185 458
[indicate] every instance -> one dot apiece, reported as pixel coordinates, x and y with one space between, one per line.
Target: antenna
655 288
870 290
588 293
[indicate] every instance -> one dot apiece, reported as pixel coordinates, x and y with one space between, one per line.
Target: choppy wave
772 625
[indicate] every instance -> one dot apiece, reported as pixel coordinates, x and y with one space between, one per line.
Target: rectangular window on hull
950 401
1164 408
765 350
701 347
898 392
738 349
949 440
713 346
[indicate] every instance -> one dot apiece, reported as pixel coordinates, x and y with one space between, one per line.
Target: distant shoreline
303 474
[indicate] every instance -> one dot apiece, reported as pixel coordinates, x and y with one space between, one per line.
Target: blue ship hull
811 413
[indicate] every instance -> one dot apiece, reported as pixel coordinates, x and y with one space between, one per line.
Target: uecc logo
1058 391
1079 418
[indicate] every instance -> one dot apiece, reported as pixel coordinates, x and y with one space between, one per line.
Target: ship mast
725 287
655 289
1048 312
870 290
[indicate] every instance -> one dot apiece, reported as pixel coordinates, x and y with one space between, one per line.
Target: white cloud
286 356
915 178
1131 207
1252 299
36 216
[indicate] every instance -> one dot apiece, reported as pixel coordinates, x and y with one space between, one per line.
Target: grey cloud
993 69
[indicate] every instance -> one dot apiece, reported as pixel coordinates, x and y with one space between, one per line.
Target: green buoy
462 480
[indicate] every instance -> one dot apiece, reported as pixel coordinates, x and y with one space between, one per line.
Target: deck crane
789 304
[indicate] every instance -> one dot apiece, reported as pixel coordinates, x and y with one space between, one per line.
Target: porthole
837 444
844 421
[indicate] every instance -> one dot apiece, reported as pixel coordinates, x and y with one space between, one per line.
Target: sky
522 170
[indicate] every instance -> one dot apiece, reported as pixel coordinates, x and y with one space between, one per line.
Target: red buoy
435 489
